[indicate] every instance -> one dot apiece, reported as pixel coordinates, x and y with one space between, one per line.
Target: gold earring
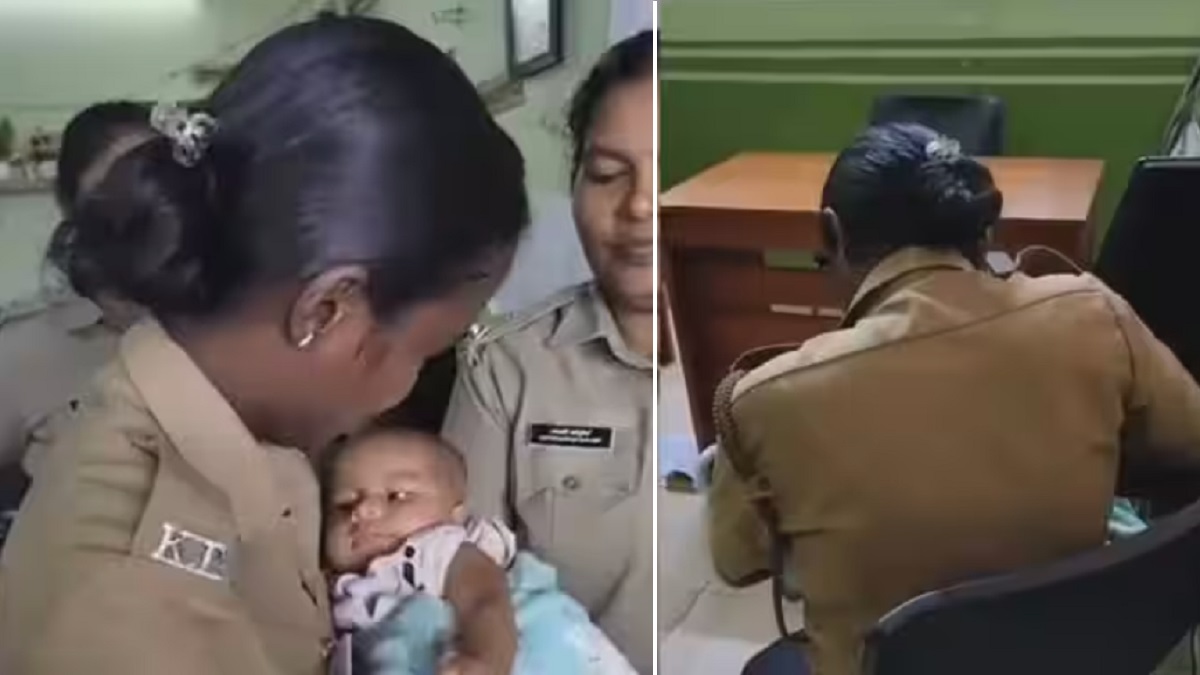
306 341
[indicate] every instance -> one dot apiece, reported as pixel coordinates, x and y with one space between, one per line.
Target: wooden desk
717 227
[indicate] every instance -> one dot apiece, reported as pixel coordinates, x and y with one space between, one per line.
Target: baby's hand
461 664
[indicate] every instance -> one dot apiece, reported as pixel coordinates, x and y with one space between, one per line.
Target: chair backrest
1117 610
977 122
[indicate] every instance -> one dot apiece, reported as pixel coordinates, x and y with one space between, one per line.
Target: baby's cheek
417 519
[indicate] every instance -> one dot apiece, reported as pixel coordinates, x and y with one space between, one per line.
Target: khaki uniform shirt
959 425
45 360
159 537
553 413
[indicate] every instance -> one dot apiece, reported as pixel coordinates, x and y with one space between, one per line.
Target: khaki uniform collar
892 269
201 426
588 318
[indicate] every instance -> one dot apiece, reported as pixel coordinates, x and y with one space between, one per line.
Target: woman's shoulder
1075 292
93 470
107 424
1051 285
524 333
788 359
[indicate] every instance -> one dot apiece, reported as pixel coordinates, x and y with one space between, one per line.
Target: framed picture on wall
534 36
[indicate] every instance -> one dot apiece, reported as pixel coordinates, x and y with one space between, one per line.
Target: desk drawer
743 282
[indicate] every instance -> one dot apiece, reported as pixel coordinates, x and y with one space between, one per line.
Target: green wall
802 20
797 76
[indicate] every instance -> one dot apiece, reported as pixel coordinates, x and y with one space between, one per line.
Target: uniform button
571 483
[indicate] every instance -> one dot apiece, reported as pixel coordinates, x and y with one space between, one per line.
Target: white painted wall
25 224
551 257
52 63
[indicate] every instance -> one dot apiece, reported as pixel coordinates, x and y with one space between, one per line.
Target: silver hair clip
943 148
189 133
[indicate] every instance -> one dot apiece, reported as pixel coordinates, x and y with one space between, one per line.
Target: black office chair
1116 610
977 122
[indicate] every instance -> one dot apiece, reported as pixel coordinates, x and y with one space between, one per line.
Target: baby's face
385 489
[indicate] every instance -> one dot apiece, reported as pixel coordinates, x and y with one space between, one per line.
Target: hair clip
943 148
189 133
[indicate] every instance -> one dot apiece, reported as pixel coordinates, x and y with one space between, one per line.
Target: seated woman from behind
959 424
422 586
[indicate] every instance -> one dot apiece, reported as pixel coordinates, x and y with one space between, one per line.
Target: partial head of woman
91 142
340 211
93 139
904 185
611 121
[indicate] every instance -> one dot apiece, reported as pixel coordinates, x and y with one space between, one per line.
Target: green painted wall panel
1176 66
671 44
781 20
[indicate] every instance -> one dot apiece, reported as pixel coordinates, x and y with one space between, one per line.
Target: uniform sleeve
477 425
736 534
75 598
1161 435
12 416
115 628
12 431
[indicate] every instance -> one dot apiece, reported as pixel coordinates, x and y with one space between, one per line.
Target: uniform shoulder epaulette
768 363
495 328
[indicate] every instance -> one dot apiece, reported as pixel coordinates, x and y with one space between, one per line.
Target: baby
423 588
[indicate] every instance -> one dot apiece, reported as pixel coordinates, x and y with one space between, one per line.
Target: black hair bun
961 202
147 233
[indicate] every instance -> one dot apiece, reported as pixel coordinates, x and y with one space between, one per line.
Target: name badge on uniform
193 553
567 436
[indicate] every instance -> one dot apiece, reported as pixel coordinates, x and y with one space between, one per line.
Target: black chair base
785 656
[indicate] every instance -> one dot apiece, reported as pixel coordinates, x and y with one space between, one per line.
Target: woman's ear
995 208
991 217
335 301
832 238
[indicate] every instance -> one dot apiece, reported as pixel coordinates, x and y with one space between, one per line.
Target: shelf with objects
28 166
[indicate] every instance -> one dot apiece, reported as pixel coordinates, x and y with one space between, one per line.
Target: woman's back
964 425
